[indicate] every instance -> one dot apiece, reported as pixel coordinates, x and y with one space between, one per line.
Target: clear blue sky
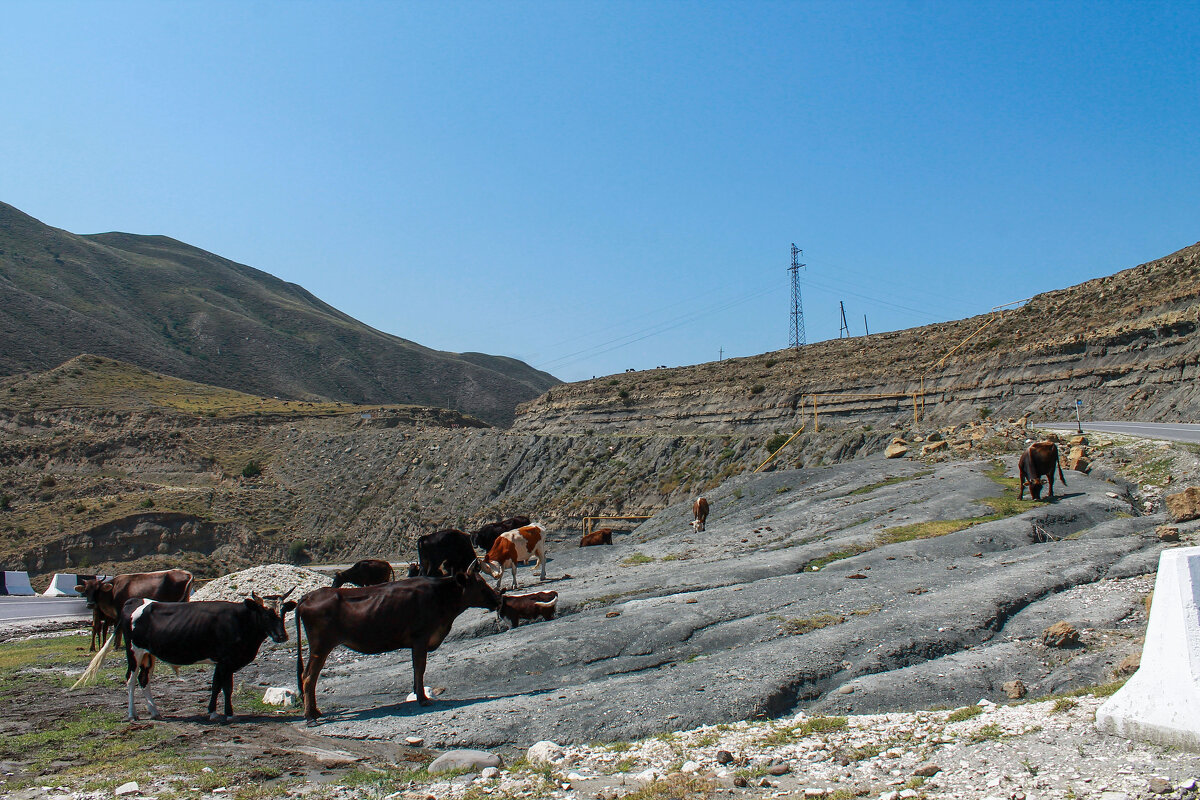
592 186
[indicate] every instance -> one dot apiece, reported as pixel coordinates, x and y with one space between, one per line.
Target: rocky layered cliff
1125 345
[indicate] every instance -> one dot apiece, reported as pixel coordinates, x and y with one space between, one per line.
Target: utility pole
844 331
865 328
721 354
797 337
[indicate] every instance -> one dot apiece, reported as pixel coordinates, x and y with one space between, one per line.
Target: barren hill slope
176 309
1125 344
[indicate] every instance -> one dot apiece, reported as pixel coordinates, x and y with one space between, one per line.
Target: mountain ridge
174 308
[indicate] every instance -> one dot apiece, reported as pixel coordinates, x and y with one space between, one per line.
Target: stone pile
267 580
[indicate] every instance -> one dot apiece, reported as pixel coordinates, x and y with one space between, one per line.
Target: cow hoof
425 701
310 722
156 715
215 717
131 718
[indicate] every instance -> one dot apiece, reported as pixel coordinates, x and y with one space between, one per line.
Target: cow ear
106 587
288 606
473 570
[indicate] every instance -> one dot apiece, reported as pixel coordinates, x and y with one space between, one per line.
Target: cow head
338 579
414 570
95 589
697 525
476 591
268 616
1035 487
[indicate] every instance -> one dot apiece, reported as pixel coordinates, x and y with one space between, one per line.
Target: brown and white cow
513 547
596 537
700 512
516 607
109 595
1039 459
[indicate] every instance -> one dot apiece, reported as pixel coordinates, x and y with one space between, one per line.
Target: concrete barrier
1161 702
63 584
17 583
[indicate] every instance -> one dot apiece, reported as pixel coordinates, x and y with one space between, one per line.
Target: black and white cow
227 635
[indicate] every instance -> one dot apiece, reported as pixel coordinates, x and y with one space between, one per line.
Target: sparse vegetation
963 714
798 626
251 470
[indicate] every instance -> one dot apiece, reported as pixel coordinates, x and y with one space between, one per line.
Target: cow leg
514 574
419 656
222 682
312 671
229 696
144 675
1050 482
129 681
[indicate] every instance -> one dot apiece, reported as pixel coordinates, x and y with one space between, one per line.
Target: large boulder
897 449
1060 634
463 759
1185 505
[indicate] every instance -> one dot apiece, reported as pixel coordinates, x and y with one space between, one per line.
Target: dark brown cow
100 627
598 536
108 596
416 613
485 536
700 512
1039 459
367 572
516 607
444 553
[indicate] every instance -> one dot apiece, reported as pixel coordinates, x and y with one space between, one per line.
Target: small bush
985 412
5 502
770 363
1064 704
757 388
964 714
777 441
251 470
147 503
296 552
47 482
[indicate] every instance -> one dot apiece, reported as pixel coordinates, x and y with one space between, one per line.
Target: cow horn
287 594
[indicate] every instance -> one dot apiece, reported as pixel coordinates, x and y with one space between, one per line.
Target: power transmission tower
844 331
797 338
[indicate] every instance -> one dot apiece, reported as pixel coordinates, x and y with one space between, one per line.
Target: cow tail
93 668
299 659
1060 475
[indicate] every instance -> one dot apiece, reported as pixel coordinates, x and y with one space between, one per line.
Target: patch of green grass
988 733
809 727
890 482
1063 704
962 714
625 765
798 626
636 559
837 555
674 787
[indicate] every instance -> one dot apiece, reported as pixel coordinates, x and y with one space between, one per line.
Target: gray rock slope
672 629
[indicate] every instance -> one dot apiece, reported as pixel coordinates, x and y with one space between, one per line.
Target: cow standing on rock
700 512
1040 458
416 613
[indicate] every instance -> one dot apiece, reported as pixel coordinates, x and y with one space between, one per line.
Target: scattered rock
778 769
927 770
1014 689
1167 533
544 753
724 757
328 758
280 696
488 773
1076 460
896 449
1183 506
1161 786
766 784
1060 634
612 614
740 782
126 788
464 759
934 447
414 741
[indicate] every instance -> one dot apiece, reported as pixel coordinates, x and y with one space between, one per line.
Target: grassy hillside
178 310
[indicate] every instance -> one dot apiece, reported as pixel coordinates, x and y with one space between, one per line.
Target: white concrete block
18 583
1161 702
62 585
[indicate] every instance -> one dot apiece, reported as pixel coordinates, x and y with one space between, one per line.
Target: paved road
1174 431
28 609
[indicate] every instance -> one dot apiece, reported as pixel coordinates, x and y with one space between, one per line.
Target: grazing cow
516 607
444 552
415 612
108 596
598 536
367 572
516 546
1039 459
700 512
484 537
227 635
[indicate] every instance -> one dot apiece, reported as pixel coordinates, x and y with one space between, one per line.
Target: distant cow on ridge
1040 458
